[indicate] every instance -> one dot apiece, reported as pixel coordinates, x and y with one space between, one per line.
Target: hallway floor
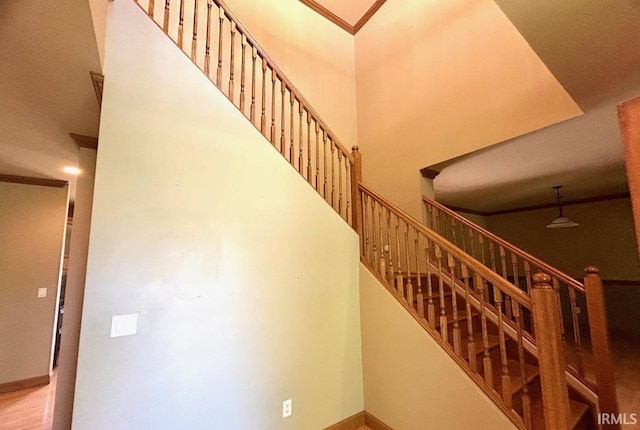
30 409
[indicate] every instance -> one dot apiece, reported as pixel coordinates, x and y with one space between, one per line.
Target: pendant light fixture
561 220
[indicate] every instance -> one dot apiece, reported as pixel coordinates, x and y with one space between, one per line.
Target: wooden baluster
471 345
325 165
382 263
420 295
454 236
462 237
472 243
274 77
457 341
399 278
556 288
389 253
283 139
232 62
365 208
356 178
505 378
207 46
526 400
555 395
339 181
347 175
317 174
492 256
165 24
481 244
263 116
220 29
194 39
503 265
181 24
333 174
596 310
243 44
577 338
486 359
527 274
429 215
300 139
431 309
309 148
291 129
374 260
254 56
514 267
409 283
443 317
151 7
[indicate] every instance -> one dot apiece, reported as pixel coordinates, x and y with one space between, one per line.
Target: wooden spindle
420 295
555 395
365 218
232 63
356 178
274 77
254 56
165 24
292 99
471 345
263 116
409 283
207 45
526 400
220 30
492 256
454 235
481 244
243 44
577 338
429 215
431 309
486 359
505 378
374 260
391 272
333 174
340 204
309 178
443 317
382 264
181 24
457 340
399 278
472 243
317 172
152 6
462 237
300 141
283 139
348 212
527 274
194 38
325 164
607 398
503 266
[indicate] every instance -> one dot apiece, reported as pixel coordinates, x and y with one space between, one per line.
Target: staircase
494 309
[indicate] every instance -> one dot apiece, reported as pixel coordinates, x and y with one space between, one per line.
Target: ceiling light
561 221
72 170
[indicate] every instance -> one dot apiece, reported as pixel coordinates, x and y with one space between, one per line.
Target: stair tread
494 341
578 409
513 367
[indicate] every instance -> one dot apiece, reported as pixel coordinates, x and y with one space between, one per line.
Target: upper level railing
217 42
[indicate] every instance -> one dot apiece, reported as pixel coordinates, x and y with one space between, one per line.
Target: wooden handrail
572 282
479 268
272 65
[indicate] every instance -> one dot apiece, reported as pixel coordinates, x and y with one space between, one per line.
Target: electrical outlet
42 293
286 408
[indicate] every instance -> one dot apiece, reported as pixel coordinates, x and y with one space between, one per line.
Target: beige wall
32 226
436 80
99 19
605 238
245 281
74 291
316 55
410 383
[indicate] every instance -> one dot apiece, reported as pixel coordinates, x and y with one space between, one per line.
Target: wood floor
30 409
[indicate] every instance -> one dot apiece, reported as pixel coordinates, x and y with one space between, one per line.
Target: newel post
356 178
596 310
551 359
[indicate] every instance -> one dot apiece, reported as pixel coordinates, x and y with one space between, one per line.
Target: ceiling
590 46
351 10
47 52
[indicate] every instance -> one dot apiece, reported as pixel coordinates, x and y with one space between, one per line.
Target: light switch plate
42 292
124 325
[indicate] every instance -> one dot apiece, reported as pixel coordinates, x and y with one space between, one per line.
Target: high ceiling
590 47
47 52
351 11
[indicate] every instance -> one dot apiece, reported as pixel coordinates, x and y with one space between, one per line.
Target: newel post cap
541 280
592 271
355 148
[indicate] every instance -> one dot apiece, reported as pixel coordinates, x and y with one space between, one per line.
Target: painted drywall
32 226
315 54
74 291
99 19
410 383
436 80
244 280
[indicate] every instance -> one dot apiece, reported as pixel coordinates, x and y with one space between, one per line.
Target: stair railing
581 312
224 50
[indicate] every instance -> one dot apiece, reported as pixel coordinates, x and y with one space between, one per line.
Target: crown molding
351 29
98 85
85 141
29 180
429 173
